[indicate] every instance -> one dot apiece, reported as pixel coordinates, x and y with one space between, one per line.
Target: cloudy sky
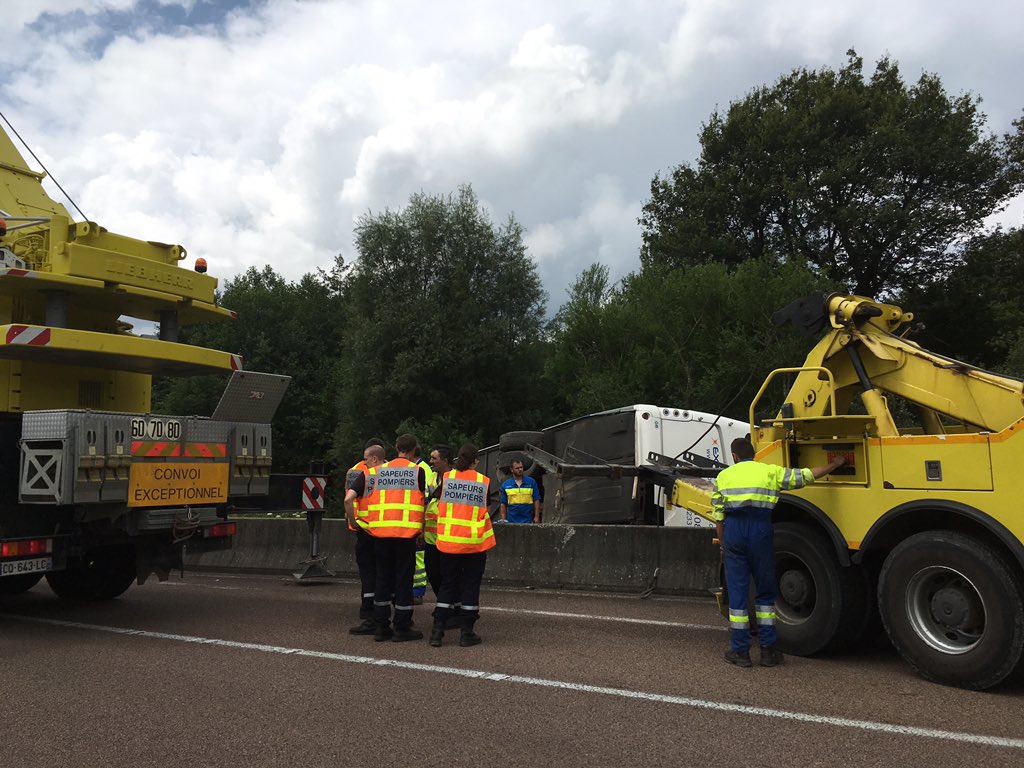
258 131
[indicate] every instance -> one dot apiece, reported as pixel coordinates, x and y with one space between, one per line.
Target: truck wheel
505 461
516 441
15 585
953 608
102 575
821 606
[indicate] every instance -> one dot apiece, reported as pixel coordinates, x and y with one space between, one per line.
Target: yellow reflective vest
752 485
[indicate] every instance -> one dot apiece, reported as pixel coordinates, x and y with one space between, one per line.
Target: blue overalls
744 497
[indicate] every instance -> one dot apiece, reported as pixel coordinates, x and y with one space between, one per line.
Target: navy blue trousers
750 552
396 561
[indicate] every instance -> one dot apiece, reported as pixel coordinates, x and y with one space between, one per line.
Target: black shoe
771 656
381 634
366 614
739 659
404 635
469 638
368 627
436 635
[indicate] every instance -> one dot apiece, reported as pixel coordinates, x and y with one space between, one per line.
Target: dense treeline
825 180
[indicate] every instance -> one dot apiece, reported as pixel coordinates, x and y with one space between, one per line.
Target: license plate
18 567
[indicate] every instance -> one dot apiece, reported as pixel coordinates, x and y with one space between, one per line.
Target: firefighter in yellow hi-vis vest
419 575
441 464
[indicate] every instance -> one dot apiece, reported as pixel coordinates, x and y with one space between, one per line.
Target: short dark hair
406 443
743 448
374 441
444 451
467 455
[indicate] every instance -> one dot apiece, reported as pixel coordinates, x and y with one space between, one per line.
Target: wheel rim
797 595
945 609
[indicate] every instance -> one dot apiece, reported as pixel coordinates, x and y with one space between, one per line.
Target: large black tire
505 461
953 608
15 585
516 441
822 606
101 575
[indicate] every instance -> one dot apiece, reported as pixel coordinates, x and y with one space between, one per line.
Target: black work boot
437 635
739 659
382 632
469 637
406 634
368 627
771 656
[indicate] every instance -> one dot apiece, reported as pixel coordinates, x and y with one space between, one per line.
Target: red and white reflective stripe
313 492
32 335
236 362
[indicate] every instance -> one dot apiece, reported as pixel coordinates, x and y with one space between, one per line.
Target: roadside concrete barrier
600 557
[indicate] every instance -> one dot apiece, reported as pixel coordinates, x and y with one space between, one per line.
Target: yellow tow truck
923 527
96 492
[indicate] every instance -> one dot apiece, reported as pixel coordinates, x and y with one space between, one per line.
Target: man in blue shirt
520 497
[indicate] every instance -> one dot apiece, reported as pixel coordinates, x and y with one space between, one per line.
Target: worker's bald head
373 455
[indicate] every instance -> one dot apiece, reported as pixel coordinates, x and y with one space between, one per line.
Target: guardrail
614 558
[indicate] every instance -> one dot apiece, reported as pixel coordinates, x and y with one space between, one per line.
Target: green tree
977 313
286 328
695 337
867 181
444 321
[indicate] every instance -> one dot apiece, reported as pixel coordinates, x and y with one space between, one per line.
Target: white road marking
624 693
598 617
553 614
197 586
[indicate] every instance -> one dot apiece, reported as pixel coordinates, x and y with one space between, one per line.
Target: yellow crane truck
923 527
96 492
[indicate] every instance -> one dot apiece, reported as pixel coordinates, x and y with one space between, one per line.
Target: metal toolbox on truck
89 457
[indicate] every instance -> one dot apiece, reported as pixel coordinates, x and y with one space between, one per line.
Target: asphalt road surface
218 670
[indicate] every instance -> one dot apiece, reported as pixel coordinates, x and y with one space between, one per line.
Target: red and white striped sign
313 492
33 335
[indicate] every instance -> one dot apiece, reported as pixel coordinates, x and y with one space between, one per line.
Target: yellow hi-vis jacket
394 508
430 525
463 525
752 485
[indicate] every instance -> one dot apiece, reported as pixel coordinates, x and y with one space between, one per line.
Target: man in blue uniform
520 497
745 495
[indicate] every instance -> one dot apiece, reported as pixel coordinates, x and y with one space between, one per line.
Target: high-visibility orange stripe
155 449
206 450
